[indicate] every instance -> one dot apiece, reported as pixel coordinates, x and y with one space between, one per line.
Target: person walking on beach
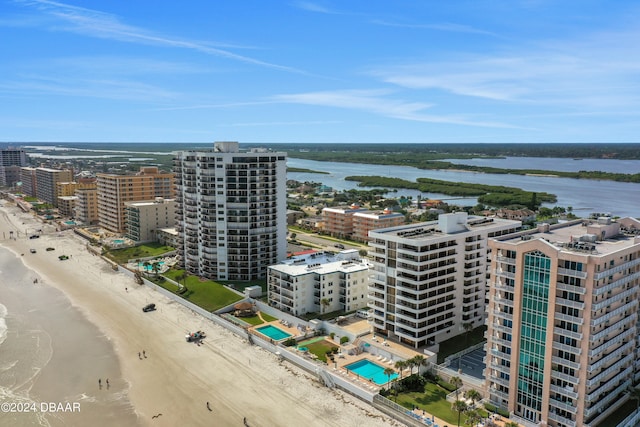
107 382
139 357
99 383
208 407
144 354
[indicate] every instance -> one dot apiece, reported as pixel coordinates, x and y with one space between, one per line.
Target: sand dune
173 384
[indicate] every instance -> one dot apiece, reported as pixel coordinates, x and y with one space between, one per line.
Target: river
583 196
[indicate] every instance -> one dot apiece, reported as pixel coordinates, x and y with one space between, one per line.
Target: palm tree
459 406
473 417
419 360
457 383
325 303
388 372
472 395
155 267
400 366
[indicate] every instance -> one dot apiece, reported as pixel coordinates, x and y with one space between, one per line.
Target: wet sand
176 379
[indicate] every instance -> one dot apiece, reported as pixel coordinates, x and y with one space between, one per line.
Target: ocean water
51 354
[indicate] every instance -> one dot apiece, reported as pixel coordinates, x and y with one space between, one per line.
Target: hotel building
86 208
28 180
319 283
429 279
11 160
231 211
562 337
115 190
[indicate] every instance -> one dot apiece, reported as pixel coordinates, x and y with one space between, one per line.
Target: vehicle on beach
63 257
33 251
195 336
149 307
35 236
51 249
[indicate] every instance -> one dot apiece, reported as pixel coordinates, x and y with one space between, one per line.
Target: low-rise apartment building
319 283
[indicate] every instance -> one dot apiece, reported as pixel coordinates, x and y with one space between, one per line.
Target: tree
459 406
155 267
419 361
511 424
401 365
411 363
473 396
388 372
457 383
325 303
468 327
473 417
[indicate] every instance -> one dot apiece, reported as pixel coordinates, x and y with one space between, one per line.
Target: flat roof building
562 327
115 190
429 279
47 181
144 219
231 211
319 283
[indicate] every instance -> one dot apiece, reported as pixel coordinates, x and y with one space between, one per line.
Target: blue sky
357 71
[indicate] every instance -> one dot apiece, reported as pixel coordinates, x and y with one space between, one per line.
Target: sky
326 71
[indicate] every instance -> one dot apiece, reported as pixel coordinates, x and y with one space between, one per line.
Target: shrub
332 334
290 342
492 408
413 383
334 350
446 385
344 340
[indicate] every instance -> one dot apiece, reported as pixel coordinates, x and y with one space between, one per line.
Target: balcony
618 311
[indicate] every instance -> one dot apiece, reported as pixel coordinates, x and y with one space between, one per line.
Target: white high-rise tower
231 211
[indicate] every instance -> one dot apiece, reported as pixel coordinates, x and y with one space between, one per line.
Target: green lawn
253 320
320 348
207 294
433 401
268 318
460 342
121 256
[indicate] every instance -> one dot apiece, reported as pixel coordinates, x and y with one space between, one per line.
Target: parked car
33 251
149 307
339 245
34 236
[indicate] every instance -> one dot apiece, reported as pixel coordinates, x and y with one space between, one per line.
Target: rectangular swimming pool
272 332
370 371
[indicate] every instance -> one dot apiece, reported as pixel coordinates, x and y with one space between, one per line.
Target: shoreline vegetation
491 195
303 170
431 161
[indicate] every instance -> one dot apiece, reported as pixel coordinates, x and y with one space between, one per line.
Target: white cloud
98 24
377 102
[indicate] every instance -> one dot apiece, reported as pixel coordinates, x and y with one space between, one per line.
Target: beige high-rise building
28 181
429 279
115 190
86 207
562 338
47 181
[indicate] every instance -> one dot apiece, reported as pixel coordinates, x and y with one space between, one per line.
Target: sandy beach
173 383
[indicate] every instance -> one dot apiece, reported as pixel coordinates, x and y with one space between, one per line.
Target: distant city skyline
319 71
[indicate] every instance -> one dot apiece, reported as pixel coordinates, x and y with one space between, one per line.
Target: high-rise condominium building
231 211
11 160
319 283
562 334
115 190
429 279
47 181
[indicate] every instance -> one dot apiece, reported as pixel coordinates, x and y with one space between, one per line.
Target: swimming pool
272 332
118 241
149 267
371 371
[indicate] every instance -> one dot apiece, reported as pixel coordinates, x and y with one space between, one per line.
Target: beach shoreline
177 379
